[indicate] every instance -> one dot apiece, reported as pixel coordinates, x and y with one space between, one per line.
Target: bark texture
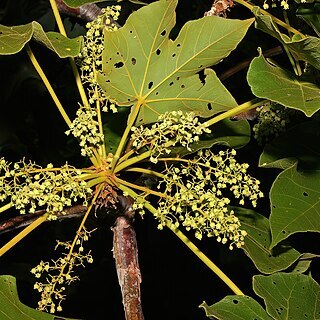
125 252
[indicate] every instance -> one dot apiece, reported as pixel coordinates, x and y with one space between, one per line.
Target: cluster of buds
172 128
91 54
195 196
274 3
85 128
60 272
272 121
29 187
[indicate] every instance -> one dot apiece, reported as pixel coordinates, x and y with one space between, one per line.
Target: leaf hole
235 301
107 81
150 84
157 93
209 105
171 83
133 61
306 194
163 33
130 31
201 66
284 231
178 45
158 52
274 282
273 206
118 53
173 55
118 64
183 86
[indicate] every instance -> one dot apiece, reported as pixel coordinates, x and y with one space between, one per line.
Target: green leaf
271 82
13 39
236 308
142 65
258 240
295 144
234 134
295 203
306 49
303 264
79 3
289 296
12 309
311 15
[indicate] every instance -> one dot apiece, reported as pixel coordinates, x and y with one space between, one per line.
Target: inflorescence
60 272
86 128
272 121
274 3
171 129
195 196
30 187
91 54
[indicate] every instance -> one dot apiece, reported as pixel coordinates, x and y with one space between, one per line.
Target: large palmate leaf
12 309
295 203
289 296
276 84
295 144
306 49
13 39
236 308
258 240
142 66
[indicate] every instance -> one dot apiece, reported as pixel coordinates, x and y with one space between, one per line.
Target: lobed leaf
236 308
257 244
276 84
289 296
13 39
11 307
306 49
141 64
295 203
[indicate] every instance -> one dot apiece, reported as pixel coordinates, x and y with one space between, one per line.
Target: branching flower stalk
185 240
52 291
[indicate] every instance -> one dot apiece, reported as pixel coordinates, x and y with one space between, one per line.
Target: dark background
174 282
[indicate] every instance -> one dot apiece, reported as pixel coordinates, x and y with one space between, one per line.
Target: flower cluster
195 195
29 187
91 54
274 3
86 129
171 128
272 121
60 272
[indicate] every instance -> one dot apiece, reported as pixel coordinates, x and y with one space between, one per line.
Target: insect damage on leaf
162 75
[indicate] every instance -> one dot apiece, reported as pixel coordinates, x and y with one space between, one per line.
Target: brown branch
26 219
244 64
87 12
125 252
